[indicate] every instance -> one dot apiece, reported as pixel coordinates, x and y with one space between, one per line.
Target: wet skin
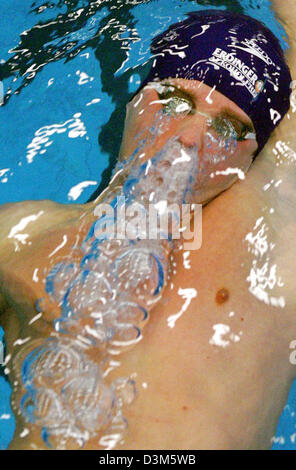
189 129
206 388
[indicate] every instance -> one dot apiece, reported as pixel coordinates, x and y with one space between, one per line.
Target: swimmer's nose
192 131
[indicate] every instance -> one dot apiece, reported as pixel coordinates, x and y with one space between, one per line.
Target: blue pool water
67 69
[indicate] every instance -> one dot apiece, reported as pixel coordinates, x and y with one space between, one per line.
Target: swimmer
220 363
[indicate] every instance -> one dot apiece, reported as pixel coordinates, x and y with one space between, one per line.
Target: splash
105 291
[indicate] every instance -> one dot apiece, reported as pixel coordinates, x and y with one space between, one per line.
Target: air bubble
125 390
59 279
44 407
91 291
51 364
106 293
90 401
67 437
130 312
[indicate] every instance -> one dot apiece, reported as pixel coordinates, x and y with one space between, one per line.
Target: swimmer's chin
205 195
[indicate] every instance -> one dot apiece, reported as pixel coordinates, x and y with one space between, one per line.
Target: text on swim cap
237 68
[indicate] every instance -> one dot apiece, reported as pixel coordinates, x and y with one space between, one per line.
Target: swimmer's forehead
210 99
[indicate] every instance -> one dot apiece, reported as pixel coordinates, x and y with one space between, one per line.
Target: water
68 69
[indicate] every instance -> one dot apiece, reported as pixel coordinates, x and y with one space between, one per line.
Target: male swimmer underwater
198 120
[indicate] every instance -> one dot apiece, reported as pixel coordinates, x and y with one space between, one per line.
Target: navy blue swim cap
234 53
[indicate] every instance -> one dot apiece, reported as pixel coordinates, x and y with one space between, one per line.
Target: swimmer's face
196 115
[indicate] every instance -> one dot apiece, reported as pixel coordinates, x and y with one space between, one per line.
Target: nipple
222 296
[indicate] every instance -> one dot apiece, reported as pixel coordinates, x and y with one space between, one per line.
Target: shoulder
29 233
24 221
